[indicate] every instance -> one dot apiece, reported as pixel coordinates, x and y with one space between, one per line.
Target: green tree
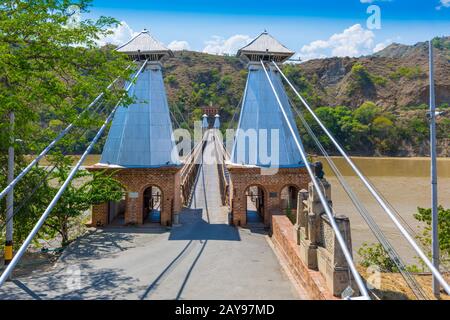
86 190
367 112
424 215
50 71
360 76
374 254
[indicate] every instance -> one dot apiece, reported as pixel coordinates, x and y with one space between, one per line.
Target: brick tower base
135 182
271 183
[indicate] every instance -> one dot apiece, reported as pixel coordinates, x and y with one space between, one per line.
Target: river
404 182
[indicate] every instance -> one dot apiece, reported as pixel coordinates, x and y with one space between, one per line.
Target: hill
394 79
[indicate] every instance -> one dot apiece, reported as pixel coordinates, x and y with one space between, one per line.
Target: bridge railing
224 176
188 174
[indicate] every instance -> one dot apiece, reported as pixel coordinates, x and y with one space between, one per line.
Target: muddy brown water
403 182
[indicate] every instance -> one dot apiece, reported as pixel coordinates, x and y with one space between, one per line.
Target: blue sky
312 28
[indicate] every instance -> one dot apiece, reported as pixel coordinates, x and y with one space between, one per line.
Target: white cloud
219 45
443 3
179 45
353 41
380 46
120 34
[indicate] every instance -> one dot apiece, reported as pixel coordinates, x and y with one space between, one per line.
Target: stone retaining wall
285 243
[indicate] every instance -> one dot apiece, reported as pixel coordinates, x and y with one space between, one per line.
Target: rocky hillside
394 79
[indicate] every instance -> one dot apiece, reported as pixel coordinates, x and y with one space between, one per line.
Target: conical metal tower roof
144 46
141 134
265 47
260 117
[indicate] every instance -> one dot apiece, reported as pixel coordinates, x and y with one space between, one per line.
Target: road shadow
105 242
67 284
184 253
194 227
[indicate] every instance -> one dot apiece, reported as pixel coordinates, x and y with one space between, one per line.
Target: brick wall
286 245
136 181
271 184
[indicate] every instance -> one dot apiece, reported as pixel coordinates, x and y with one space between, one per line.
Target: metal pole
323 200
434 191
371 189
8 255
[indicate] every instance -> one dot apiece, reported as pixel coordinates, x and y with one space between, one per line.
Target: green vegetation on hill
409 73
341 90
196 80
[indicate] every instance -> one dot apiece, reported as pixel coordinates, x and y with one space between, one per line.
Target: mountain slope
395 79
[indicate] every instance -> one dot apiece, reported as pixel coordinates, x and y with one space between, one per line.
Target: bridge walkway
203 258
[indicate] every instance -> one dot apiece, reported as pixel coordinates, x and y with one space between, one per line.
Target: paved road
204 258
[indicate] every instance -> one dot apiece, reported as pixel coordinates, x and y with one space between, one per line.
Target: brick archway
260 205
152 201
135 181
241 177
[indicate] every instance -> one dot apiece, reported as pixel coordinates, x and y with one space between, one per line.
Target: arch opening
289 202
152 207
255 204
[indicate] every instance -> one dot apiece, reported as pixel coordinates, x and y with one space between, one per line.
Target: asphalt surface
203 258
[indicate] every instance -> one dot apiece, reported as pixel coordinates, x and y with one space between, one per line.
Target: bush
424 215
361 75
374 254
363 79
409 73
171 80
367 112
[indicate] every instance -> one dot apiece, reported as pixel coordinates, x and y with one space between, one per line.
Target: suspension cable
235 112
33 191
180 113
374 193
5 275
374 227
174 119
52 144
325 204
240 117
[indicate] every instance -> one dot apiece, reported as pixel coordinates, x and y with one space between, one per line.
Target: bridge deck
204 258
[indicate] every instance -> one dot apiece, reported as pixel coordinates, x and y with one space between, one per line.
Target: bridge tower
262 187
139 146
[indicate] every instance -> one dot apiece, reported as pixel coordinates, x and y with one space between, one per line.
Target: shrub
409 73
424 215
374 254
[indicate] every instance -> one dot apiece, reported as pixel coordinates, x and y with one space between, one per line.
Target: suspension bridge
212 223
